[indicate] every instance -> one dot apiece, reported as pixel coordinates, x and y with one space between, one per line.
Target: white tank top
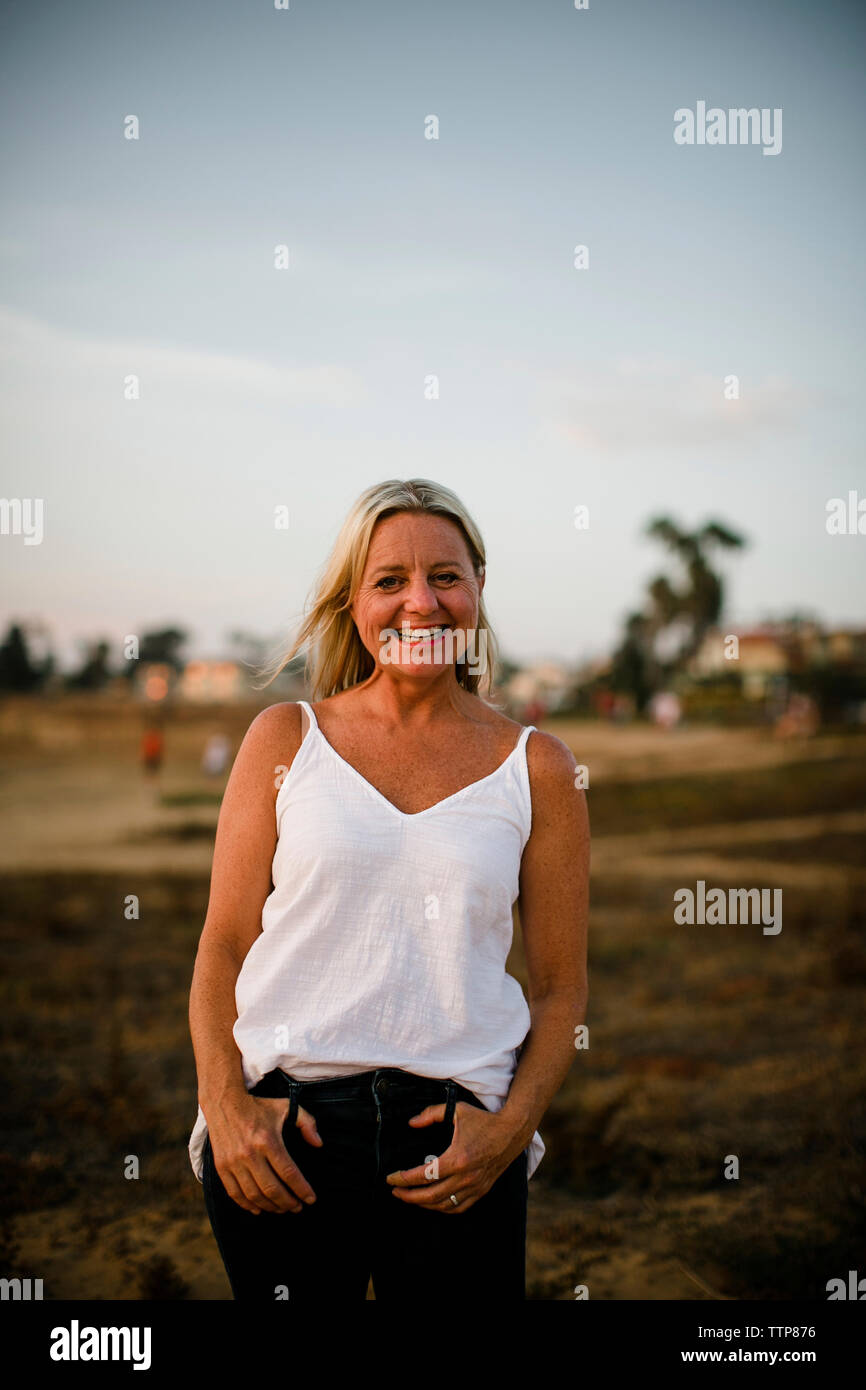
385 937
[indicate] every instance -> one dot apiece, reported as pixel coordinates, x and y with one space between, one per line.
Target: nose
420 600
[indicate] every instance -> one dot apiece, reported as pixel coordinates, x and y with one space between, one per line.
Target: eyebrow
437 564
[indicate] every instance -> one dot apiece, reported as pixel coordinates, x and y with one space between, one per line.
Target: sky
409 258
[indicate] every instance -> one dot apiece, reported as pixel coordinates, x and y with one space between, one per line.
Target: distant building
771 652
541 688
202 681
759 653
206 680
847 647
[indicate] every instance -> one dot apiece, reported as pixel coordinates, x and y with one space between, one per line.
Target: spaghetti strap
522 760
313 722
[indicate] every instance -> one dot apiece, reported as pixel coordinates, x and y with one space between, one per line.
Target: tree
661 638
93 673
18 671
697 606
634 667
162 645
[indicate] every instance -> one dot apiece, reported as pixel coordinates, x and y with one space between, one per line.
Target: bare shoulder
559 809
549 759
276 722
273 737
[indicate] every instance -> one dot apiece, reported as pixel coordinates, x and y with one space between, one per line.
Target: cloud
36 350
654 402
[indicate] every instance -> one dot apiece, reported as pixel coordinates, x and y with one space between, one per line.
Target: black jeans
356 1227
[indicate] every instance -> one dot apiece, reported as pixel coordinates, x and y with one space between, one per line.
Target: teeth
418 632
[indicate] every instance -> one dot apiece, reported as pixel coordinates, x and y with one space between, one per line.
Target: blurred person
665 709
605 703
152 748
215 757
801 719
370 1077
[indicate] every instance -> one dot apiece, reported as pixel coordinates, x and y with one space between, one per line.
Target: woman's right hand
256 1170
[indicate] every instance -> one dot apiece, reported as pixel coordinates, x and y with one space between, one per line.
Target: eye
446 576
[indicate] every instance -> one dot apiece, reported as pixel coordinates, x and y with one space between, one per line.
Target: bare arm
554 907
245 1130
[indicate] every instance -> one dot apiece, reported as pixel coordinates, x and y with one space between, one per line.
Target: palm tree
673 611
698 606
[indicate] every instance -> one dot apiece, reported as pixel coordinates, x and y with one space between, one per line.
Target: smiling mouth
421 634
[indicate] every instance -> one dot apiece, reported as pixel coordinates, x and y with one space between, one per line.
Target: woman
370 1077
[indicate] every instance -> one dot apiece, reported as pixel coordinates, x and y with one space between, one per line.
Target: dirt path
102 815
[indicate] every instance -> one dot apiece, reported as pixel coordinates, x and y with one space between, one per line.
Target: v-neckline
411 815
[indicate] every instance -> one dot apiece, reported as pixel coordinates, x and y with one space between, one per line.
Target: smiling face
418 577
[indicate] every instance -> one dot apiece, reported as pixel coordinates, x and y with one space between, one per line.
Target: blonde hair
336 656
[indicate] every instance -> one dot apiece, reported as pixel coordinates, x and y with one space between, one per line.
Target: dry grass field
705 1041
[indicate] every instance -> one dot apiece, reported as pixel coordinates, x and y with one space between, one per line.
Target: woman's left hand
481 1149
